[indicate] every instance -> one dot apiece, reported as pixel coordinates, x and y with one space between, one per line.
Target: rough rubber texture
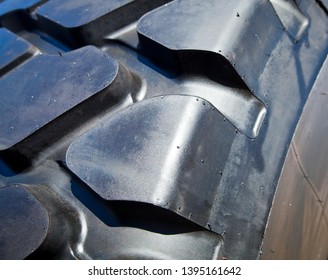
24 222
150 129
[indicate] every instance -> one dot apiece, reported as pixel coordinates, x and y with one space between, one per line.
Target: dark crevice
132 214
18 21
25 26
211 65
94 202
322 6
15 63
152 218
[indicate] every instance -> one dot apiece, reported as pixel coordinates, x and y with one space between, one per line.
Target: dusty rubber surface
149 129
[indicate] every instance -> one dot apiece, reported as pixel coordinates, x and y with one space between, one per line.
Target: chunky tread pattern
15 50
172 135
171 129
48 86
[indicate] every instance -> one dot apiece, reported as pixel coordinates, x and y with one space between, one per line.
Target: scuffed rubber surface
155 161
24 222
50 85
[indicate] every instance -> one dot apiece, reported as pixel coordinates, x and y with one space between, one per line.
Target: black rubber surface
24 222
149 129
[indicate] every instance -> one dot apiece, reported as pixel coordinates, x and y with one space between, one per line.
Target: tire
154 129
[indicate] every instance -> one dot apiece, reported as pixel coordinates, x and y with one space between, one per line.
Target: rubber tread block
14 49
24 223
47 86
218 38
81 22
173 158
